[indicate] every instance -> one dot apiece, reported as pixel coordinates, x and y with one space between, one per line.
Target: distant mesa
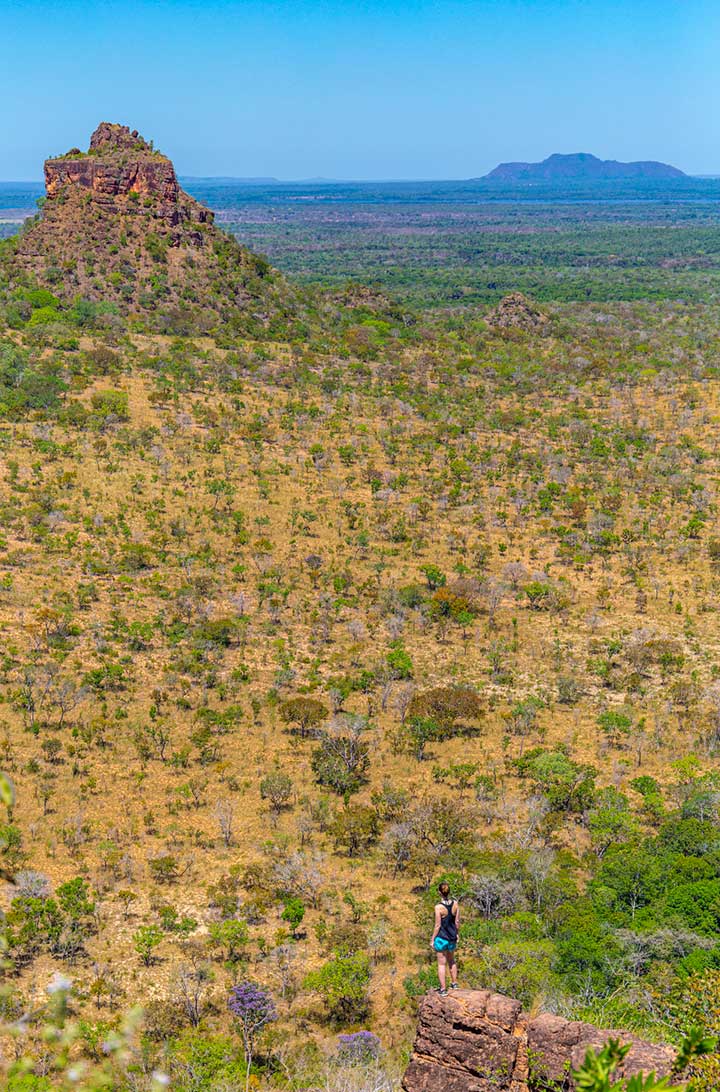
581 167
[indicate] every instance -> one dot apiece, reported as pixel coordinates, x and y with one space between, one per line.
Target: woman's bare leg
453 967
441 970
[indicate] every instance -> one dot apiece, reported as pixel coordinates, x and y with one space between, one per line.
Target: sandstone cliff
478 1041
119 164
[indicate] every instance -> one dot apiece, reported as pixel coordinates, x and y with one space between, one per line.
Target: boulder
479 1041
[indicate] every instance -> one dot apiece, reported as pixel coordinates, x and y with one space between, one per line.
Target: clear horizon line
321 180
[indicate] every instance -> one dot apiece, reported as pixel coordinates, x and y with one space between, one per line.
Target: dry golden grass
80 505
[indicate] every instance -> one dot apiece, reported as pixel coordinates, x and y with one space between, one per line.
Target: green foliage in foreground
596 1072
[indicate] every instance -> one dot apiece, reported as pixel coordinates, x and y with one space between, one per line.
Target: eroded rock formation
118 230
478 1041
119 166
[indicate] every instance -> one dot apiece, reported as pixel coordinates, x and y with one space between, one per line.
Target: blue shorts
442 945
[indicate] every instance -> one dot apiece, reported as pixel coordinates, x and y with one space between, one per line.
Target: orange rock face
109 179
119 164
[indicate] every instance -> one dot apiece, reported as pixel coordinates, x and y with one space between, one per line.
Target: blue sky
346 89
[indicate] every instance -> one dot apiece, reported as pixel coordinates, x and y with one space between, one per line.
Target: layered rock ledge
479 1041
121 165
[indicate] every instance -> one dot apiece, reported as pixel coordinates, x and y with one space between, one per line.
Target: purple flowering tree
253 1009
358 1048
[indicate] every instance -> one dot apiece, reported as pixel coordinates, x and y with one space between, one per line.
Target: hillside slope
287 631
293 630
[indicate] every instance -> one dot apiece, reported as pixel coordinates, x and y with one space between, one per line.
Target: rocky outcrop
516 312
121 165
479 1041
109 179
111 137
118 230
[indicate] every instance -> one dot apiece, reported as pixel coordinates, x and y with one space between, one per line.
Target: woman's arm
436 930
457 916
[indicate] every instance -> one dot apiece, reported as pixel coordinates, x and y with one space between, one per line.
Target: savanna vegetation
294 628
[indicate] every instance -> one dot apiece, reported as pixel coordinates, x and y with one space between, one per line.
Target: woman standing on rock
445 937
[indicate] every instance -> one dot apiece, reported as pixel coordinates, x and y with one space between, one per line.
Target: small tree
522 716
398 662
355 829
448 603
342 759
225 815
459 775
434 576
305 713
126 898
441 713
145 941
615 725
343 984
164 869
253 1009
293 913
277 788
418 732
609 820
231 937
567 786
110 403
451 706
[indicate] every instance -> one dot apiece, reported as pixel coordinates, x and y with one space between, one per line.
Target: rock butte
120 163
479 1041
117 230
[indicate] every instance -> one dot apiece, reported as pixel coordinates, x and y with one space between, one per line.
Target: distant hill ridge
581 166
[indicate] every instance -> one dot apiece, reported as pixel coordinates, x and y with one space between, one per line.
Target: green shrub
343 983
110 403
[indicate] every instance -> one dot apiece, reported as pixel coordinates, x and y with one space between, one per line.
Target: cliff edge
118 165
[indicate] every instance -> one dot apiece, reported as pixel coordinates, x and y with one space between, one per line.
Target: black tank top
448 922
